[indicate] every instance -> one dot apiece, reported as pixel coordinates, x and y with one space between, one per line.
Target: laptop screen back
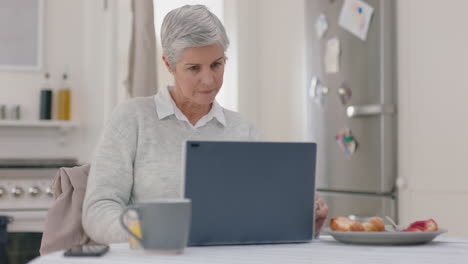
250 192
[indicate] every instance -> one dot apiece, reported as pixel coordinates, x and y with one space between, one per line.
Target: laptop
250 192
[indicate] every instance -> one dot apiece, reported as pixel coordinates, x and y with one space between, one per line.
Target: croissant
345 224
375 224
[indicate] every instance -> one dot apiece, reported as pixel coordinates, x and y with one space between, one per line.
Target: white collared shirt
165 106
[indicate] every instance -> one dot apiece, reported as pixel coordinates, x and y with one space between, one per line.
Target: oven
25 195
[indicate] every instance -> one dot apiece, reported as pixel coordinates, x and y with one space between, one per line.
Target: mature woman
139 156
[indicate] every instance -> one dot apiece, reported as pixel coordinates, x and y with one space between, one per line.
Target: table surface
324 250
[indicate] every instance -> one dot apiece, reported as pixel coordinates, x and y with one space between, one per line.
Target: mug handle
122 222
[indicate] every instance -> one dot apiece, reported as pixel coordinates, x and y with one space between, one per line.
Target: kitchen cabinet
432 112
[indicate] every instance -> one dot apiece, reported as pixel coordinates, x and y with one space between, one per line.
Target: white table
325 250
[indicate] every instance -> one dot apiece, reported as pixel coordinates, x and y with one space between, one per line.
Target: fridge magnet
347 142
322 92
321 26
344 93
332 56
317 91
313 87
355 17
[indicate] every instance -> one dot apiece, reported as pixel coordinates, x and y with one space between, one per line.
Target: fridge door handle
369 110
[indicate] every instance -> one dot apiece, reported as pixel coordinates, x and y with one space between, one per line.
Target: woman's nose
208 77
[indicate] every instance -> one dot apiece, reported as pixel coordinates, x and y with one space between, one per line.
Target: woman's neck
192 111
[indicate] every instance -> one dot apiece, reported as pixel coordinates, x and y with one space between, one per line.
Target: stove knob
2 191
34 191
16 191
49 191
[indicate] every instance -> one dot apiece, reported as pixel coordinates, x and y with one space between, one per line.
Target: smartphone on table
87 250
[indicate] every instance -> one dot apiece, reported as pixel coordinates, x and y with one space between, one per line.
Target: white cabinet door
433 111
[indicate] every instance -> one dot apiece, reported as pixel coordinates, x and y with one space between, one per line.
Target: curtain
141 80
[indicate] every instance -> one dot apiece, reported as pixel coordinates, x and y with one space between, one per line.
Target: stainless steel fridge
351 113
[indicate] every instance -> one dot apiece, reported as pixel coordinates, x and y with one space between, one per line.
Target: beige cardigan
63 227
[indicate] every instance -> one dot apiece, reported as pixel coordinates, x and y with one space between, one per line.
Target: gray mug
164 224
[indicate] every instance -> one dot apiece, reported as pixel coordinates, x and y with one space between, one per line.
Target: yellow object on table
134 226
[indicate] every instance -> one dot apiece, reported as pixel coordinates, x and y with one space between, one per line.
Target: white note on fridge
332 56
321 26
356 17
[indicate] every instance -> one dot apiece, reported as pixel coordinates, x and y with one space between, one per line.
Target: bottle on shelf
16 112
64 100
45 111
2 111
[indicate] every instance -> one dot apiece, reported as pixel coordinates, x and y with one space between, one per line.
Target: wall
281 60
433 93
271 65
243 36
75 37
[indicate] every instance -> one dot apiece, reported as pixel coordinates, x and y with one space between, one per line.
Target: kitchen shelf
39 123
62 127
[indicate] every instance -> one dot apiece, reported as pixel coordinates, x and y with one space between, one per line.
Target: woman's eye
193 68
216 64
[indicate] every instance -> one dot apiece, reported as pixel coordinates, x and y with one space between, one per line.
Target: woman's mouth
206 91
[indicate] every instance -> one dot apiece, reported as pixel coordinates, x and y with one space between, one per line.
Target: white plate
389 237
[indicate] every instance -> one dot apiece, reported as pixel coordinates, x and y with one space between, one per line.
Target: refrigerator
351 104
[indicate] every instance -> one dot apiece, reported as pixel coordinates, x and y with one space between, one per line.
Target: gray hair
190 26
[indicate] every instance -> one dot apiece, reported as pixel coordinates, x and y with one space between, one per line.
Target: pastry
375 224
341 223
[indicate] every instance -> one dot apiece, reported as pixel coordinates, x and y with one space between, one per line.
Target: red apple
411 229
431 226
422 226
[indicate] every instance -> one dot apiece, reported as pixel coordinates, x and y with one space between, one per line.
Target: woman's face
198 74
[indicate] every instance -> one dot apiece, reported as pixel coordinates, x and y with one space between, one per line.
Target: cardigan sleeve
110 181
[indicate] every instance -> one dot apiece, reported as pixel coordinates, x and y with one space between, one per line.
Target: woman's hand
321 212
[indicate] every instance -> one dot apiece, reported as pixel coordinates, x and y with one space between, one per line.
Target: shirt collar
165 106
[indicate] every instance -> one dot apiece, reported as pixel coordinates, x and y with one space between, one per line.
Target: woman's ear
168 66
